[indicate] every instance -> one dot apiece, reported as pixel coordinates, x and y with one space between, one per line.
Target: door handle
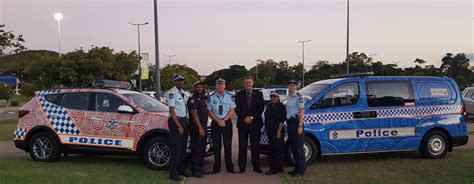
364 114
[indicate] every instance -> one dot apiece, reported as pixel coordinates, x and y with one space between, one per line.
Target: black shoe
293 172
206 172
215 171
241 171
184 173
231 171
258 170
298 174
280 170
271 172
175 178
197 175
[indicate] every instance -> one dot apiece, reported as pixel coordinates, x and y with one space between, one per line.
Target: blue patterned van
383 114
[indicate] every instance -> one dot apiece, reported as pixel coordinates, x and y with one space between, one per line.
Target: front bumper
20 145
460 140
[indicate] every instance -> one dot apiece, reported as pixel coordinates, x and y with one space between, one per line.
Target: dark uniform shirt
198 103
275 114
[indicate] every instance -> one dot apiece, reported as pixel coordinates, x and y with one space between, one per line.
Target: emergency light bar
111 84
361 74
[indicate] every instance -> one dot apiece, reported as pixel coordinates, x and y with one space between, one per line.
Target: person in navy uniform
275 116
221 109
197 107
295 120
178 127
250 106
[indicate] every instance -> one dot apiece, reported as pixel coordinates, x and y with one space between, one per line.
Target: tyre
157 153
435 144
311 151
43 147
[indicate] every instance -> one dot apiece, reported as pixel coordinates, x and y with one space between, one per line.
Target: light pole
302 58
157 50
396 66
371 63
347 43
139 80
256 69
59 17
169 58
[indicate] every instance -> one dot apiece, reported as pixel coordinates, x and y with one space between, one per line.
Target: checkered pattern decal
386 113
58 117
19 134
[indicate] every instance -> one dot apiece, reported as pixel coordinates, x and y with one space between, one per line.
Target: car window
53 98
389 93
313 89
343 95
79 101
281 92
146 102
106 102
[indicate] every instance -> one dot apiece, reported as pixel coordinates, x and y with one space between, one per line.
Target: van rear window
389 93
434 93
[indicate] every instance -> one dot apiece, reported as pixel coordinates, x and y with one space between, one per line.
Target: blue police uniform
275 115
295 102
220 105
177 99
198 102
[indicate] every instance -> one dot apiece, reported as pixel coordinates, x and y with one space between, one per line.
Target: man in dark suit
250 106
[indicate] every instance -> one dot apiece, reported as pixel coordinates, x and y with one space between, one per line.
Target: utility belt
292 118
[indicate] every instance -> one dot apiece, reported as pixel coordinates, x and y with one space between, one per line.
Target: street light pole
396 67
157 52
371 63
59 17
169 58
347 44
139 80
302 58
256 68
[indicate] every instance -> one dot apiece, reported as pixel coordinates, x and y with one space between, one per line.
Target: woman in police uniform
294 120
275 116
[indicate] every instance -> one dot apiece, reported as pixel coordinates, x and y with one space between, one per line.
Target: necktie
249 99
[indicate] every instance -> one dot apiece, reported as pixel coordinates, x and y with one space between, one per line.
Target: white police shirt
178 99
294 103
220 105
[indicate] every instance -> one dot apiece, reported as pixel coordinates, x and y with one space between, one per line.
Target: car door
107 121
469 101
330 117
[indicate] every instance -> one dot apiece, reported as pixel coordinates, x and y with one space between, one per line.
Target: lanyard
220 100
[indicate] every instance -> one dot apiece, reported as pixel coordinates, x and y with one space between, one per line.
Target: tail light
22 113
464 112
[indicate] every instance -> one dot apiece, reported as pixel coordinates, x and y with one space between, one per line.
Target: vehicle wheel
311 151
157 153
435 144
43 147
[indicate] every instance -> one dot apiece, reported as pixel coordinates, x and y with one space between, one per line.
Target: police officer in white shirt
178 127
221 108
294 120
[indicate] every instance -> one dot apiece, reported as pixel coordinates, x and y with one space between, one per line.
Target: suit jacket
255 109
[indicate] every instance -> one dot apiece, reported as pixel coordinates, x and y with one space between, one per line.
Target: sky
209 35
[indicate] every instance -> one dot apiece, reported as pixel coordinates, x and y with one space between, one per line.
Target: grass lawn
19 98
79 169
7 126
402 167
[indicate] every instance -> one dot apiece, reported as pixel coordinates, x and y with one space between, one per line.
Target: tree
9 41
229 74
454 66
169 71
419 61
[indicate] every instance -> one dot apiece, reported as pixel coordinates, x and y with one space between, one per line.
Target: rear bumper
20 145
460 140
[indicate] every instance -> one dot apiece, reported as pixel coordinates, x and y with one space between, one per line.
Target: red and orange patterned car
94 121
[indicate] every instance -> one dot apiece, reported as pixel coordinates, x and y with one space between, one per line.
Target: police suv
104 120
383 114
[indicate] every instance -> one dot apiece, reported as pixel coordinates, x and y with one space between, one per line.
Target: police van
107 120
383 114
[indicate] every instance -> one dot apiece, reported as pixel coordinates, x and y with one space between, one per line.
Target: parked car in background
281 90
468 95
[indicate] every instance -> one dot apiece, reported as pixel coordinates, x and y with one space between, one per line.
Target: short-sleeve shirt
216 100
177 99
294 103
198 103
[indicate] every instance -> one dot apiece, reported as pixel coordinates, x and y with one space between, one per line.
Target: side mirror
125 109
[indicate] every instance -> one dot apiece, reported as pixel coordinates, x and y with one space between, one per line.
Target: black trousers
296 144
277 146
178 146
252 130
222 135
198 148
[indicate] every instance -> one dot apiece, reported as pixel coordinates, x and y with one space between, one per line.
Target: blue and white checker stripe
19 134
385 113
57 115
